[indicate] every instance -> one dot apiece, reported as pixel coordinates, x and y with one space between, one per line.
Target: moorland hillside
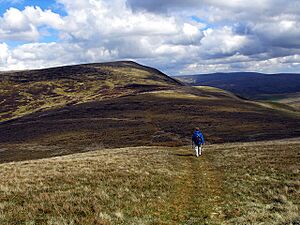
80 108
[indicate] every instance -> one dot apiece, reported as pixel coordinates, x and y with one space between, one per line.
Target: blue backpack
198 138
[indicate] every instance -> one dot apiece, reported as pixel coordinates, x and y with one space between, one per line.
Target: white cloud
4 54
244 63
241 5
39 17
24 25
228 43
230 35
41 55
100 19
280 32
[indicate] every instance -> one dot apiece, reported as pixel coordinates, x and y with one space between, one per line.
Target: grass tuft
240 183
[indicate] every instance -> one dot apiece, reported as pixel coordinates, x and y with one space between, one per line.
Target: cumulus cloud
162 5
229 43
283 33
100 30
192 36
24 25
41 55
4 53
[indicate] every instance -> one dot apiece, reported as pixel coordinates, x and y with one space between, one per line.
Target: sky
176 36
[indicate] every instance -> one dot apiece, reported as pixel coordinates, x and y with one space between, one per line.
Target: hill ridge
76 69
129 102
29 91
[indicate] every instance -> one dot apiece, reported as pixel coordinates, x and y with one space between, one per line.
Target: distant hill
246 84
25 92
80 108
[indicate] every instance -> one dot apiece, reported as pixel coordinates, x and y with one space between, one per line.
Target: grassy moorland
89 111
26 92
237 183
157 116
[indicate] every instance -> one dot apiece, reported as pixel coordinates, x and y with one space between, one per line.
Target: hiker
197 141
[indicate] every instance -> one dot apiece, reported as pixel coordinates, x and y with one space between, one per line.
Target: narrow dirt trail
197 198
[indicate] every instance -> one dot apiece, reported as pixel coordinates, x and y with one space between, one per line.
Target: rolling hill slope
60 111
25 92
246 84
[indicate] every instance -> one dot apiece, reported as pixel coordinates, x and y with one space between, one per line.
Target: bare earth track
70 123
157 185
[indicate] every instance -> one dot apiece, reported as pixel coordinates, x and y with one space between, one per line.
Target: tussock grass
107 187
243 183
261 181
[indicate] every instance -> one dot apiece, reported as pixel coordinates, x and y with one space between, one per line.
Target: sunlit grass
243 183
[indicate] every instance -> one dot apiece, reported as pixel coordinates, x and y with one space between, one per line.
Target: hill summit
80 108
25 92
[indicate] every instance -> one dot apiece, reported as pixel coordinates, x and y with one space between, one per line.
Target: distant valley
281 88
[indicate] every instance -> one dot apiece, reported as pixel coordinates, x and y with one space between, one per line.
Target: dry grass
178 94
214 91
261 181
246 183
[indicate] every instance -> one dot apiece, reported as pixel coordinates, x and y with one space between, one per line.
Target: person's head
197 129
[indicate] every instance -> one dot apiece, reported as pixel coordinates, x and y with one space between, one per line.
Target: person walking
197 141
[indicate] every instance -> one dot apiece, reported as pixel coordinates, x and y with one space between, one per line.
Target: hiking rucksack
197 138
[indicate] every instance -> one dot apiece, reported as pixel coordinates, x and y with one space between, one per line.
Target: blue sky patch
49 4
